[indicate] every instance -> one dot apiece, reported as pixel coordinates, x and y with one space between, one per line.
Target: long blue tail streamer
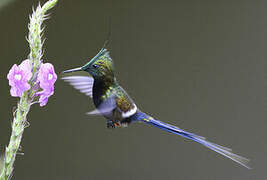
227 152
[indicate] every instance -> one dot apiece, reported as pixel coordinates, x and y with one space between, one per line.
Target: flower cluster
19 78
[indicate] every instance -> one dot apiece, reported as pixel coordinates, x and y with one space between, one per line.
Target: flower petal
25 66
10 75
18 77
47 76
13 92
44 95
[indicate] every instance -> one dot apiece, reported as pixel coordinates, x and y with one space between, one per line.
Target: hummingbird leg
117 124
110 124
113 124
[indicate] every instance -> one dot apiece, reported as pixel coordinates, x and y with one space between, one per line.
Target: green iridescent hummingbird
112 102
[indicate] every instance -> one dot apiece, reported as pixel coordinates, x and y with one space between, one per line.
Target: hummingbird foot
117 124
112 124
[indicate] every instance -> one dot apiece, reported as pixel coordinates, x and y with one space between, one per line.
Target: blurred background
200 65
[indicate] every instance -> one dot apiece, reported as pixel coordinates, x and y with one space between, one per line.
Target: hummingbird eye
95 66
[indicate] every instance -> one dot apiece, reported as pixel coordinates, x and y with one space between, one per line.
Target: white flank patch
130 112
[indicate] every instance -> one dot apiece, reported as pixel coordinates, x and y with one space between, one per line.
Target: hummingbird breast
113 95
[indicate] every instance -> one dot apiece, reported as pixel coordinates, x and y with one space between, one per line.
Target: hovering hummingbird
112 102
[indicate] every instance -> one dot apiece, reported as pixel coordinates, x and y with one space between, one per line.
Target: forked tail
227 152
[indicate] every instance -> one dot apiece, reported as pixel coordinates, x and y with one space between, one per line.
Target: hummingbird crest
101 66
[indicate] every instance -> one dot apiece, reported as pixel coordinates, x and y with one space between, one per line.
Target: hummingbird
113 102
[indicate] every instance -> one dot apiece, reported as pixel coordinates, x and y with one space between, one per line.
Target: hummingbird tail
227 152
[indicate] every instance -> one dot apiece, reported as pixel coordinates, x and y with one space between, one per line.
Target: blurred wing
123 105
105 108
83 83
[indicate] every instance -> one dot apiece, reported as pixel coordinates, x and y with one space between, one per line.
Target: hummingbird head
100 66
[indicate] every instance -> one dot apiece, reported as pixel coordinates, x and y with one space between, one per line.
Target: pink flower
18 77
44 95
47 78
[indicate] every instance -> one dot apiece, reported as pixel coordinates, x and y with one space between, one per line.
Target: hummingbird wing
83 83
105 108
116 104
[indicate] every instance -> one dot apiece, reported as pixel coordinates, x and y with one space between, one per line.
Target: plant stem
20 115
18 126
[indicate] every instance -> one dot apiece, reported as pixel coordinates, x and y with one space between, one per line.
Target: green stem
18 126
20 116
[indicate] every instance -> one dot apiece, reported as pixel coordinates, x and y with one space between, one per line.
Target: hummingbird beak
73 70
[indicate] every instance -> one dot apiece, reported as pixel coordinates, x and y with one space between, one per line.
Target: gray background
200 65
